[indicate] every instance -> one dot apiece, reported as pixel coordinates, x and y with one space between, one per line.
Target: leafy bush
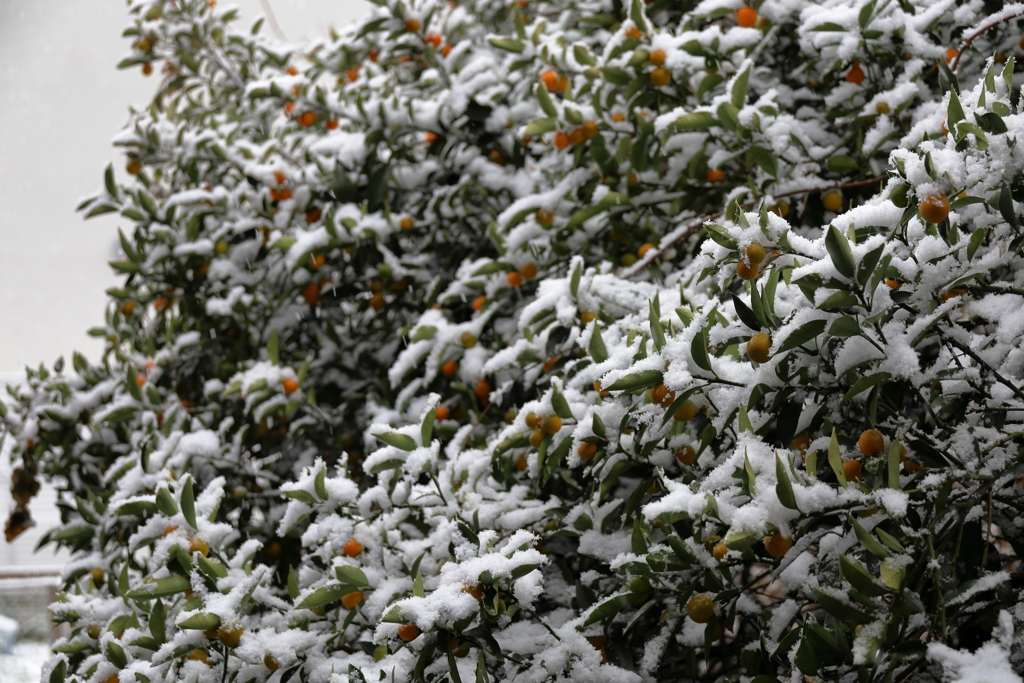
553 340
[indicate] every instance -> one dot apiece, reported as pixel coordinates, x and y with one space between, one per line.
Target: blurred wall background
61 102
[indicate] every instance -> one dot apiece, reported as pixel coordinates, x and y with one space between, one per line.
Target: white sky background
61 102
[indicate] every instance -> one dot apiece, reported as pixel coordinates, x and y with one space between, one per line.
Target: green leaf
1006 206
116 655
868 541
188 503
744 421
598 350
320 483
865 383
203 621
720 236
841 163
165 502
830 26
847 614
841 299
893 465
835 459
954 111
608 608
657 331
351 575
845 326
211 567
697 120
739 88
574 283
544 99
636 381
839 249
803 334
783 485
324 595
890 540
400 441
159 588
299 494
508 44
539 127
977 237
272 349
60 672
293 583
858 577
764 158
699 350
583 55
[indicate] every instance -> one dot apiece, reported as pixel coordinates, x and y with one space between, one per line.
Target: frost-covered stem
698 224
995 290
970 39
224 671
1002 380
987 538
540 621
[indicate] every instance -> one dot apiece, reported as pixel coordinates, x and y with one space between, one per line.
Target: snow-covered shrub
589 341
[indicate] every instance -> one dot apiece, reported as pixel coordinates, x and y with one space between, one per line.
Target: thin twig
272 20
970 39
699 223
988 538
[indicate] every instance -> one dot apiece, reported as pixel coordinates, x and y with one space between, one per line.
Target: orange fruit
350 600
316 261
292 71
551 424
514 279
714 175
951 54
871 442
544 218
746 17
720 551
911 467
147 69
169 529
590 129
893 284
230 636
434 38
198 545
754 254
270 663
587 450
618 117
746 271
134 166
449 368
482 390
587 316
832 200
352 548
777 545
468 340
311 293
331 124
657 57
307 119
853 470
377 302
479 302
290 385
550 79
644 248
408 632
562 139
446 49
128 308
528 270
686 412
757 347
661 77
536 438
882 108
198 656
598 643
577 137
405 223
634 32
662 396
477 591
801 443
442 413
780 208
935 208
140 380
533 421
313 215
701 608
855 75
412 25
686 455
